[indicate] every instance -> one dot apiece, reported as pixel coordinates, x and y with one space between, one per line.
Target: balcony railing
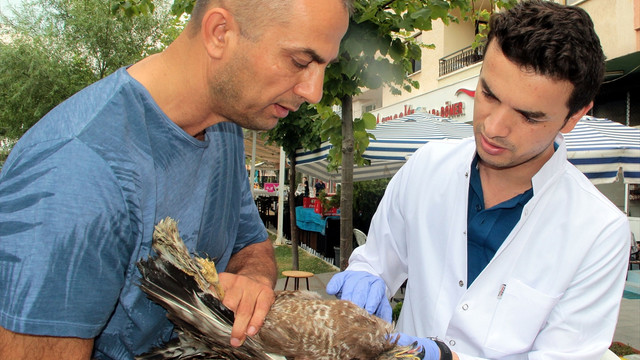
460 59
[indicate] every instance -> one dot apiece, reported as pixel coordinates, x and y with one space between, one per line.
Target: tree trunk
292 211
346 189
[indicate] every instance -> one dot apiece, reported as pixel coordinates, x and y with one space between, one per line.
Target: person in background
507 249
82 190
306 186
319 186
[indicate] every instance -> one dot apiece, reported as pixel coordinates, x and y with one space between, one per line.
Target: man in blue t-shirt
82 190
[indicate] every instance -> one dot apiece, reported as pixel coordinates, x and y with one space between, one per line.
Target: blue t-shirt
79 197
488 228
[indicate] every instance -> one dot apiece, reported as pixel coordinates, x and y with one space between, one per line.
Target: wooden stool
296 275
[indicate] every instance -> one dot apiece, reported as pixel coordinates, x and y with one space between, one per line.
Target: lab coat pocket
520 313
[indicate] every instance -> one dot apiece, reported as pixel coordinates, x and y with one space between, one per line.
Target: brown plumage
299 325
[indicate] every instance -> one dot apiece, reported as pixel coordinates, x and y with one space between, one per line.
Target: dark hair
553 40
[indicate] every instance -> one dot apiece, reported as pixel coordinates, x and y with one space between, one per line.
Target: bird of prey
299 325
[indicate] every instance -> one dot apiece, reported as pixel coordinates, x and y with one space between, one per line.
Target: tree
32 82
53 48
299 130
377 50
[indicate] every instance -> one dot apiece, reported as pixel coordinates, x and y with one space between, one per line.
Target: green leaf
422 13
369 120
415 52
351 68
398 49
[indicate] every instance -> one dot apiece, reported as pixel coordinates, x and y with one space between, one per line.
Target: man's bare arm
32 347
248 283
256 261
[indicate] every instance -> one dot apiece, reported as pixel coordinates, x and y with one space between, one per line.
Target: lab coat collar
552 168
544 177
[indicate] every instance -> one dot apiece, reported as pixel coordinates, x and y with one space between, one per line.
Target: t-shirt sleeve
251 229
63 241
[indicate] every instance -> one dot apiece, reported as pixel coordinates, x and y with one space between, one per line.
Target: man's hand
250 300
248 285
363 289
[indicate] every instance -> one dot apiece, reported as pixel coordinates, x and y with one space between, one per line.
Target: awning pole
280 240
626 199
253 163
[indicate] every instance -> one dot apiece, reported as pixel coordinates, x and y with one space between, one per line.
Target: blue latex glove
363 289
431 350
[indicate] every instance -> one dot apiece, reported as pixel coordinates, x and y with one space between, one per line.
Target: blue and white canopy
598 147
601 147
395 141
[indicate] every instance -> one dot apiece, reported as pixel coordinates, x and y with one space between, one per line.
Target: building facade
448 74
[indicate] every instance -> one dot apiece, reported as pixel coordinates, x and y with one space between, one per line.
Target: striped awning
395 141
598 147
601 148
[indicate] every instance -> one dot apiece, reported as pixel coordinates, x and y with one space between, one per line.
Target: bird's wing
173 280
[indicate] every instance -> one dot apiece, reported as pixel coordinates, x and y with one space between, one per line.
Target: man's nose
498 123
310 87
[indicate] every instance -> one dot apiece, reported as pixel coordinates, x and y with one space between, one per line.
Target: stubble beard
226 94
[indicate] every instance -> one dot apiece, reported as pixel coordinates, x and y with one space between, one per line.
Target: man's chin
262 125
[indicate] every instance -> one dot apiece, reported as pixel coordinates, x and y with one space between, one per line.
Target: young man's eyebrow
486 88
525 113
532 114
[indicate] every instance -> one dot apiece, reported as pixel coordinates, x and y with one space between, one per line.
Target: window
416 65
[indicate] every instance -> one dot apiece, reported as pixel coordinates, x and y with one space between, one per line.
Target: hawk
299 325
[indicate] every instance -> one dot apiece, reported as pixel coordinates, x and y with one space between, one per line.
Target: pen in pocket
502 287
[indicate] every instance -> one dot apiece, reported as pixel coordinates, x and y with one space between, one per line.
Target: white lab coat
553 289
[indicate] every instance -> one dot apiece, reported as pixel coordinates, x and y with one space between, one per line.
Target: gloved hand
363 289
431 350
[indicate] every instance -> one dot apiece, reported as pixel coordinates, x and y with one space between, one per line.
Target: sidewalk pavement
627 331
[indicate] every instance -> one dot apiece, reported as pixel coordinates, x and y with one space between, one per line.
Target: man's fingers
243 315
385 312
375 293
250 301
263 305
335 284
250 314
233 300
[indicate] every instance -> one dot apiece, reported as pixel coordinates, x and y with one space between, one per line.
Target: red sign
449 110
408 110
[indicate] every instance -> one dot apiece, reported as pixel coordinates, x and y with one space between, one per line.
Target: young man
508 250
83 189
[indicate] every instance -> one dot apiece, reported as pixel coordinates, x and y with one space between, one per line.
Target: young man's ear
573 120
217 25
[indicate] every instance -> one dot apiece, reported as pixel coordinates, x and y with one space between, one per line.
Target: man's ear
573 120
216 27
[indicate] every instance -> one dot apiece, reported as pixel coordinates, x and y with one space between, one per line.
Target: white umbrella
601 147
598 147
395 141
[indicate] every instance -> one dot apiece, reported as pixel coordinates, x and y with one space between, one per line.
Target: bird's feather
299 325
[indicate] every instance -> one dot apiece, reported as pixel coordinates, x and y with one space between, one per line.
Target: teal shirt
488 228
